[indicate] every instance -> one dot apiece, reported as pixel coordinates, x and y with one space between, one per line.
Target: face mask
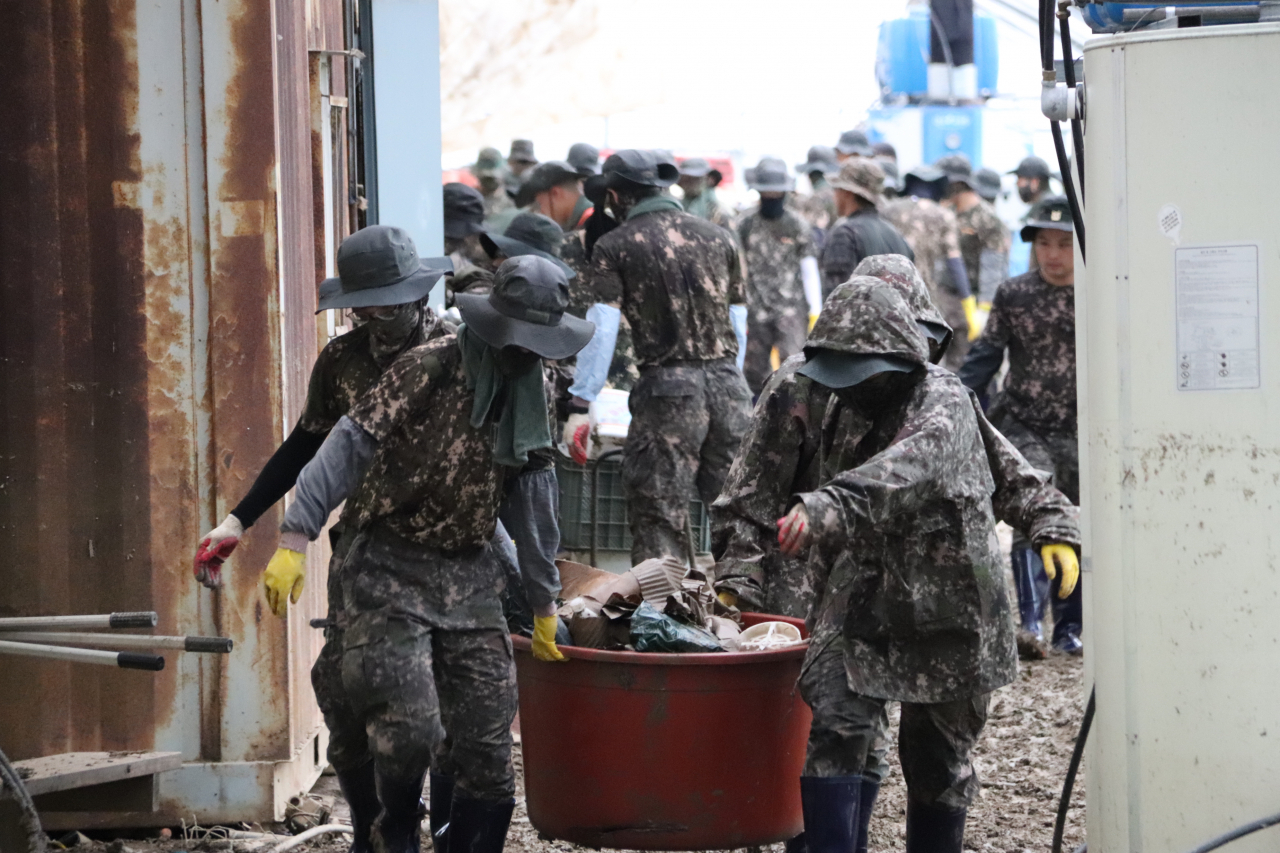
389 335
513 361
880 392
771 208
1026 193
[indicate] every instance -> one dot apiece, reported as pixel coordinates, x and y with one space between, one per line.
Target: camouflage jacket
907 526
818 207
864 234
674 277
433 479
931 231
778 457
773 249
1036 322
346 369
983 234
707 206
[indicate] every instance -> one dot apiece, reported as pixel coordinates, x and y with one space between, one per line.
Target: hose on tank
1059 147
1068 784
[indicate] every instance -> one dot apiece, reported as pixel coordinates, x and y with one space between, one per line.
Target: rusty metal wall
157 326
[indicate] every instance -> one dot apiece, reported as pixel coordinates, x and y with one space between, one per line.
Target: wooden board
70 770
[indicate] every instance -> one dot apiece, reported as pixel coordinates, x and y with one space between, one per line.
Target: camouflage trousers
687 421
848 735
424 651
953 311
1055 452
787 333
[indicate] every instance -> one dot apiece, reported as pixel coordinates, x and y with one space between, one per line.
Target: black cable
1046 34
30 821
1064 165
1069 72
1238 832
1068 784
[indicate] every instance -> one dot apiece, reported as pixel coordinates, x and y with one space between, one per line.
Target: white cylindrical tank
1178 325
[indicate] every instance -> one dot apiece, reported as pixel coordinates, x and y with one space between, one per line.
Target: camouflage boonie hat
521 151
901 274
862 177
986 182
1032 167
528 234
957 169
1052 211
770 176
854 142
488 163
584 158
865 328
822 158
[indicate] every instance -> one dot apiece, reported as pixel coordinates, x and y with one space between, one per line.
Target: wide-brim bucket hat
526 308
528 234
379 266
843 370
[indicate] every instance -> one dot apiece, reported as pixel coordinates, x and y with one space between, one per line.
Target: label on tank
1217 293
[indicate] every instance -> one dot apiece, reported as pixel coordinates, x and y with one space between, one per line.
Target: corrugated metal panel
325 25
156 303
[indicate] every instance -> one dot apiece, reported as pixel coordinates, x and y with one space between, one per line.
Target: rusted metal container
157 296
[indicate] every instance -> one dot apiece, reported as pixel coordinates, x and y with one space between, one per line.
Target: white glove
214 548
577 431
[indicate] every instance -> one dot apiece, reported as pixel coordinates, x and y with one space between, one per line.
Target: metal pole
124 660
217 645
145 619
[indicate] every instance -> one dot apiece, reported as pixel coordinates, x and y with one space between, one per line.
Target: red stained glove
793 531
214 549
577 432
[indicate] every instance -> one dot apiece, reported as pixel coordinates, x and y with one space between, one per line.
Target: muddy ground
1022 759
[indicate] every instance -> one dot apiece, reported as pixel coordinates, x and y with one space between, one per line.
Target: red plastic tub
664 751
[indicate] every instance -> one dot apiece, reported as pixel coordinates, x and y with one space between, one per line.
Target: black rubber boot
831 805
934 829
870 790
360 790
796 845
1031 581
441 806
400 825
479 826
1068 617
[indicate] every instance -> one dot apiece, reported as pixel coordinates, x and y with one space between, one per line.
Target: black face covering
1026 193
771 208
881 392
391 336
513 361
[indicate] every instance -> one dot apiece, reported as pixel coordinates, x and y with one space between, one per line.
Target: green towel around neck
653 204
521 400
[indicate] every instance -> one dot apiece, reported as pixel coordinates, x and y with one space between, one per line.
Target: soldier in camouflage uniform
555 190
819 206
779 458
984 239
425 458
1033 319
911 603
491 172
698 181
775 241
463 225
346 368
678 279
934 236
862 232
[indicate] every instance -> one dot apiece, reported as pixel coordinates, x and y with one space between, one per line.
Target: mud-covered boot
399 827
441 804
479 826
934 829
1032 587
360 790
831 805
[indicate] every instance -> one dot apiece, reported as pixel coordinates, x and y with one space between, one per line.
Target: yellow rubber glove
970 306
544 638
1065 556
282 579
728 599
813 318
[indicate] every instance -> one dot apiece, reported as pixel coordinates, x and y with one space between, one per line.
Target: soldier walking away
424 458
491 172
779 458
853 143
698 182
463 225
984 239
911 602
862 232
777 245
679 281
986 183
519 161
819 206
584 158
1033 319
934 236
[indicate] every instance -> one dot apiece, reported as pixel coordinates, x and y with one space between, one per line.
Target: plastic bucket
664 751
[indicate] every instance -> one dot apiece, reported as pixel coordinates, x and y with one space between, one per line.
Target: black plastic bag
652 631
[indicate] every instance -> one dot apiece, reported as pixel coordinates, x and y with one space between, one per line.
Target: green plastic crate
613 527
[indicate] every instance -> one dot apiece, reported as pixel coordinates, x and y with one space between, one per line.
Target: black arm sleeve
278 475
981 365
